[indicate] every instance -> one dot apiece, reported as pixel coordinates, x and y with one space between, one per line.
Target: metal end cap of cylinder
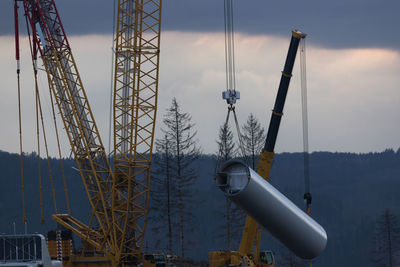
232 177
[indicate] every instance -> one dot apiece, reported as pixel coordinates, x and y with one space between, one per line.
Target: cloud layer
338 24
353 93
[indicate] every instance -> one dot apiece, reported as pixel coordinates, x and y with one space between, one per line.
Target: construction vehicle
245 255
25 251
118 193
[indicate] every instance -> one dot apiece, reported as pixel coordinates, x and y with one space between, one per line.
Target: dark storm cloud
340 23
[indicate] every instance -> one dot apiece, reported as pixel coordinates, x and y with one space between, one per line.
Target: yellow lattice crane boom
118 194
137 48
67 89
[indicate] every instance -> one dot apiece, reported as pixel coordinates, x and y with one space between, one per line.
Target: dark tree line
351 192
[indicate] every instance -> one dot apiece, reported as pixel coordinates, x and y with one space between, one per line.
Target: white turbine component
271 209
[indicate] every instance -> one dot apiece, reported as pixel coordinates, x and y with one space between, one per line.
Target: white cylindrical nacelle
271 209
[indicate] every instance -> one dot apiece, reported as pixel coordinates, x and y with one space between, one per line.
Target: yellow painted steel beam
82 133
250 228
83 231
73 105
136 69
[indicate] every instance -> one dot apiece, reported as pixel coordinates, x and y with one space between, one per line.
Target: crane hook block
230 96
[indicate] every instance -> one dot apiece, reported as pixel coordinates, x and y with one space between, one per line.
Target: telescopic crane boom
251 235
266 157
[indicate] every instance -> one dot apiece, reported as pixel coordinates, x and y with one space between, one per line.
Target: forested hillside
350 192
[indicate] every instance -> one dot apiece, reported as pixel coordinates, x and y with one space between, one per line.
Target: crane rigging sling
39 113
19 109
59 149
39 124
231 95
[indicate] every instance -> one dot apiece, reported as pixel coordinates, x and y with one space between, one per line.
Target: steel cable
307 194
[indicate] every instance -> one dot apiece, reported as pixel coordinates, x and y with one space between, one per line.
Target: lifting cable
33 49
307 193
110 125
229 46
303 75
45 143
38 155
231 95
59 148
37 125
239 137
39 112
19 109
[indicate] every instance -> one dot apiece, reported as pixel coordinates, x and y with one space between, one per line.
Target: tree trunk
168 201
389 229
179 173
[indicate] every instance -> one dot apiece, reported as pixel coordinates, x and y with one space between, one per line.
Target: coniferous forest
354 197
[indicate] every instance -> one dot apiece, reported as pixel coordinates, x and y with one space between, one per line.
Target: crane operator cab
267 258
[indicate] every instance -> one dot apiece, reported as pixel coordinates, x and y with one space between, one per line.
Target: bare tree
253 137
386 241
184 152
162 194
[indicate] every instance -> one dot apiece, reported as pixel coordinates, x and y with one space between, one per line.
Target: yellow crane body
118 194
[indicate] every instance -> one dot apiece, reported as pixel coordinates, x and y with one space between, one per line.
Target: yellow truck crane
118 193
245 255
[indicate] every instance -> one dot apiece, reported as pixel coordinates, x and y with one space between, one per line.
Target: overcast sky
353 66
340 23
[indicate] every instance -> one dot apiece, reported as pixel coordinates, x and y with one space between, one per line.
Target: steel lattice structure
135 104
50 39
119 196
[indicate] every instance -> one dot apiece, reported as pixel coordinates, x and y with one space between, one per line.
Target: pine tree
226 145
184 152
386 241
253 137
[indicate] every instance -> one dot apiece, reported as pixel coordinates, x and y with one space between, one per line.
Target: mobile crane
118 194
245 256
